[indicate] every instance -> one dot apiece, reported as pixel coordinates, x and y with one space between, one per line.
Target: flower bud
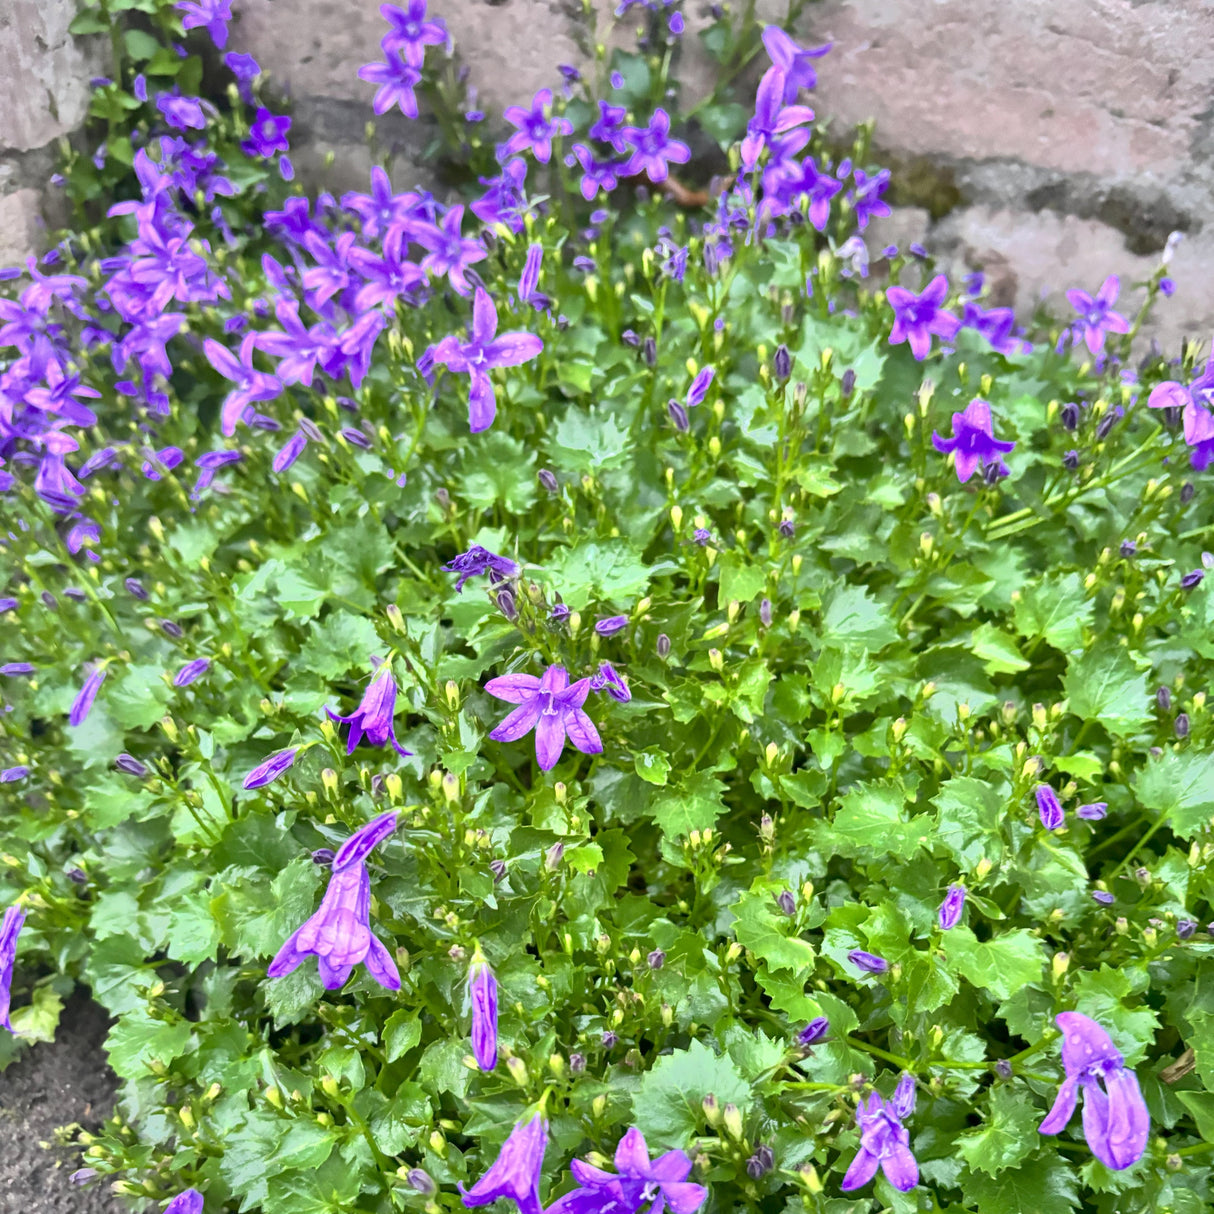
731 1119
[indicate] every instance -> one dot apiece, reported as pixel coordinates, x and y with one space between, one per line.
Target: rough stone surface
44 72
51 1086
20 225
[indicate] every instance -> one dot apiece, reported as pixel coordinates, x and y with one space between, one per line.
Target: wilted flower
661 1182
973 442
1115 1118
373 716
10 929
339 933
482 988
609 679
1049 807
951 907
477 561
885 1141
515 1174
550 706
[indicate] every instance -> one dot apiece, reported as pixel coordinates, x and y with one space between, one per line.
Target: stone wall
1047 141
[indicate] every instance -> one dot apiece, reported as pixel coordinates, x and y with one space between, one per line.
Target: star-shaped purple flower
917 317
483 351
652 147
1096 315
885 1141
535 128
410 31
794 61
550 706
211 15
396 79
973 440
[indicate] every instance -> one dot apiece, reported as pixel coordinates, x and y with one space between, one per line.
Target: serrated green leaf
1001 965
1007 1136
1107 685
668 1107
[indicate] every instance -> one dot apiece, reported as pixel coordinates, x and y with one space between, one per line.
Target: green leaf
1044 1185
1008 1135
1201 1106
1057 609
402 1031
499 471
136 1041
969 820
694 805
668 1107
762 927
997 650
852 615
38 1019
1106 685
739 581
589 439
1000 965
611 571
1182 786
340 642
652 766
871 820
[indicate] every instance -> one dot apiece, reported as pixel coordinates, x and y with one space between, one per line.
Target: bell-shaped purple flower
973 442
1115 1118
373 716
1049 807
662 1183
550 706
270 769
10 929
951 907
364 841
191 671
1093 811
189 1201
482 990
515 1173
699 387
339 935
870 963
83 703
885 1141
813 1032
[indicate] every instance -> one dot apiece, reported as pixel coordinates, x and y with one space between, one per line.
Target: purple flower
189 1201
182 113
191 671
8 604
1096 316
596 174
130 765
885 1141
477 561
1166 286
87 694
609 679
813 1032
611 625
267 135
10 775
515 1173
1093 811
1103 897
373 716
535 129
339 934
530 277
450 252
652 147
699 387
1049 807
952 907
661 1182
396 79
364 841
870 963
291 450
164 460
268 771
482 351
482 988
868 202
917 317
996 325
1115 1119
213 16
243 67
11 668
807 179
10 929
251 385
794 61
410 31
771 118
550 706
973 442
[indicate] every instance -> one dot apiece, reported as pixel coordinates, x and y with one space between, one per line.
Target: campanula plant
581 676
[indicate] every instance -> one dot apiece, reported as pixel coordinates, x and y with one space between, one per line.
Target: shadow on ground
54 1085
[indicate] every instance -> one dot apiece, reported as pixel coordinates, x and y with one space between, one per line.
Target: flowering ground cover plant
589 692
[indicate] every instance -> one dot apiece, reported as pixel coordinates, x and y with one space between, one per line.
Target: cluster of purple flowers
1195 403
